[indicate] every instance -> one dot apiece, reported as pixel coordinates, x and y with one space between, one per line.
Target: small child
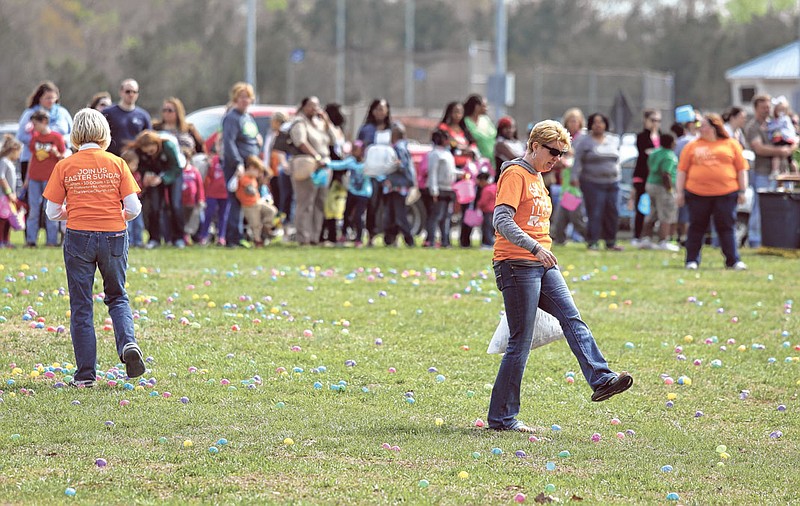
216 201
660 186
396 188
487 193
259 212
136 225
442 173
96 238
781 131
359 191
193 198
10 150
47 147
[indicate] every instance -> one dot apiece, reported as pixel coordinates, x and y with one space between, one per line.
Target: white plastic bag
545 331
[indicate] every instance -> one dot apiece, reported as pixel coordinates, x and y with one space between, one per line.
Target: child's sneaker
133 360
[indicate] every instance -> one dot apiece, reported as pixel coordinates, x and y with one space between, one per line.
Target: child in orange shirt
85 190
257 210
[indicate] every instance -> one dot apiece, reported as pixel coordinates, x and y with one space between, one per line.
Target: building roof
781 63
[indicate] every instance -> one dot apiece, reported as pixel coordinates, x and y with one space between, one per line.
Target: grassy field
297 366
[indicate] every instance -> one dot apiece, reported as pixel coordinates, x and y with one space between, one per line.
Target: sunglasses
555 152
131 92
166 109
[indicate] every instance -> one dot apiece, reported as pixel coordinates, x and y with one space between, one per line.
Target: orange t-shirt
526 193
93 182
247 197
712 167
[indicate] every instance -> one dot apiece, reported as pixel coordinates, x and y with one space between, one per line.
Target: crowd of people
305 181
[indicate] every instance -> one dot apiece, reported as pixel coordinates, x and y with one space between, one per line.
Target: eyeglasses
555 152
131 92
167 109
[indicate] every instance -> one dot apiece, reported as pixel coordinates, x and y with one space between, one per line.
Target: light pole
250 45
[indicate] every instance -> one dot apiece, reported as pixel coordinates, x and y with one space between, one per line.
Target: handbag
570 201
465 191
301 167
473 217
5 208
16 215
546 329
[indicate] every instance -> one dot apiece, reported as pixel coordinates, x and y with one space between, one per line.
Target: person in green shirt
660 186
570 208
480 125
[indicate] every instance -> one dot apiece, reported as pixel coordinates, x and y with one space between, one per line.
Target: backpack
379 160
283 141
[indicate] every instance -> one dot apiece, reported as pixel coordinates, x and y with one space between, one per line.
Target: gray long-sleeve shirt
597 162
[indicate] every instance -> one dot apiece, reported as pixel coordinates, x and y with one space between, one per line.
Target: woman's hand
679 199
547 258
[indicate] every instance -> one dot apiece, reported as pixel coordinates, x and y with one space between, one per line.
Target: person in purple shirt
125 118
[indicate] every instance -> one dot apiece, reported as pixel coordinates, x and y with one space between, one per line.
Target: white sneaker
666 246
636 243
692 266
739 266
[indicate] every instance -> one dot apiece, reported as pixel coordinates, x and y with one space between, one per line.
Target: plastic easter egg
213 450
423 483
476 455
463 475
550 466
666 469
555 428
100 462
288 441
188 443
439 422
672 496
478 423
564 454
520 498
497 451
596 437
70 492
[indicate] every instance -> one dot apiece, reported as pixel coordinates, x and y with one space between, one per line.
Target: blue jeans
601 211
487 229
136 231
758 182
286 196
234 228
701 210
84 252
217 209
396 219
440 217
524 290
37 203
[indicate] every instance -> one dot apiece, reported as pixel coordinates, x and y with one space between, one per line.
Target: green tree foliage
194 49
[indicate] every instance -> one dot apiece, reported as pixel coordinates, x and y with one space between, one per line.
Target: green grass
406 298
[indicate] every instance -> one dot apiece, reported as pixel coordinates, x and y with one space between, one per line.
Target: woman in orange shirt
528 275
712 178
85 190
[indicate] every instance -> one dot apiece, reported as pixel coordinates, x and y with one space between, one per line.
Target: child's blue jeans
85 252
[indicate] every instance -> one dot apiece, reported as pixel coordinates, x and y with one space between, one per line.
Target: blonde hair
89 125
548 131
9 145
240 87
573 112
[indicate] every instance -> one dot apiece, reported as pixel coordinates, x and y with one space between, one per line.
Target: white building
775 73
